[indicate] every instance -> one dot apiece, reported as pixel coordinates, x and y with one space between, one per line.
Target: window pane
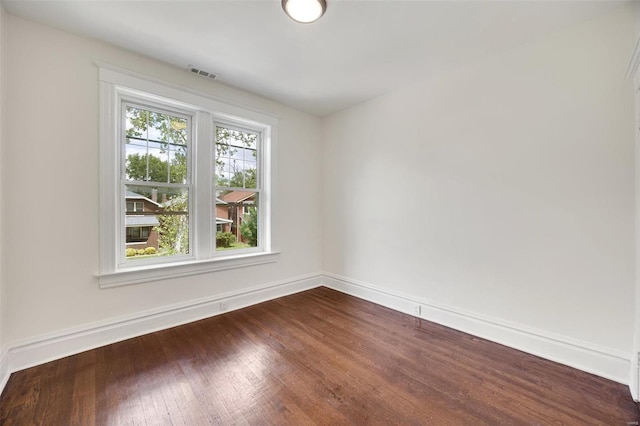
178 165
155 146
236 158
236 219
156 221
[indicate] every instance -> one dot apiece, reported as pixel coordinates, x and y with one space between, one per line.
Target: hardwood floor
318 357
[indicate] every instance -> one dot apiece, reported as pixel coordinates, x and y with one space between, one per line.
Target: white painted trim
4 369
633 376
605 362
42 349
229 109
632 73
157 272
634 62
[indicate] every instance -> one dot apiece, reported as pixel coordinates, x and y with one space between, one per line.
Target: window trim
116 83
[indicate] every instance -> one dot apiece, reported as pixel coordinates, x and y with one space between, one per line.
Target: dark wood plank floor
318 357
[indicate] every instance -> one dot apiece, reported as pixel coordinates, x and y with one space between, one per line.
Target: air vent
201 72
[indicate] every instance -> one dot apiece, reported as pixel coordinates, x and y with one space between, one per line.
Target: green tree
249 227
228 141
244 179
174 227
157 170
154 129
171 129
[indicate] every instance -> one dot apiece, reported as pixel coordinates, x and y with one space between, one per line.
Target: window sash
153 107
260 166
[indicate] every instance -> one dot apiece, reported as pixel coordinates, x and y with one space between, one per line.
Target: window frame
117 87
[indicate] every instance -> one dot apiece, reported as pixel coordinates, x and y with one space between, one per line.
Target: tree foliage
174 228
171 129
240 179
228 142
249 227
166 132
157 170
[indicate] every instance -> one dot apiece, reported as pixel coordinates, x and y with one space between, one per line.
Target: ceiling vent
201 72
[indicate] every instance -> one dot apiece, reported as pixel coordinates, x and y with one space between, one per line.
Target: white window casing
204 113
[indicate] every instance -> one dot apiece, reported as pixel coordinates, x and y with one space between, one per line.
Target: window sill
182 269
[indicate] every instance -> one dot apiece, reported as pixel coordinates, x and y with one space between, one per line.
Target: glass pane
250 174
155 146
236 220
158 126
156 222
179 131
178 165
236 158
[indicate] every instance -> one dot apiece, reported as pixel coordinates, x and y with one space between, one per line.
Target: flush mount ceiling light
304 11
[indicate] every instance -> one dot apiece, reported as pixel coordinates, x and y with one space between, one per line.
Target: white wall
50 187
504 190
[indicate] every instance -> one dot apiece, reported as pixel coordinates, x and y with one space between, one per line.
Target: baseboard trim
54 346
605 362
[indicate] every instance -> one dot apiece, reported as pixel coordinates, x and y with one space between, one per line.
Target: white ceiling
358 50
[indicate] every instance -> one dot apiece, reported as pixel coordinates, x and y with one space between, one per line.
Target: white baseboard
50 347
605 362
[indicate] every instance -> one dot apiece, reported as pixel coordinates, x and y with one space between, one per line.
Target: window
238 184
135 206
156 145
185 179
138 234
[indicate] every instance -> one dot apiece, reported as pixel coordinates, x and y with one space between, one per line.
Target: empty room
319 212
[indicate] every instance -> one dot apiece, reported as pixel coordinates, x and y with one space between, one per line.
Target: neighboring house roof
130 195
221 221
140 220
237 196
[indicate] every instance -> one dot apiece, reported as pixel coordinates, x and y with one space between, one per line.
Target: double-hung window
185 182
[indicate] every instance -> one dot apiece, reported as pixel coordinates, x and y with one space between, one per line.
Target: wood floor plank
317 357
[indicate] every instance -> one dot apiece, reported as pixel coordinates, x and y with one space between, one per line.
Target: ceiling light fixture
304 11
